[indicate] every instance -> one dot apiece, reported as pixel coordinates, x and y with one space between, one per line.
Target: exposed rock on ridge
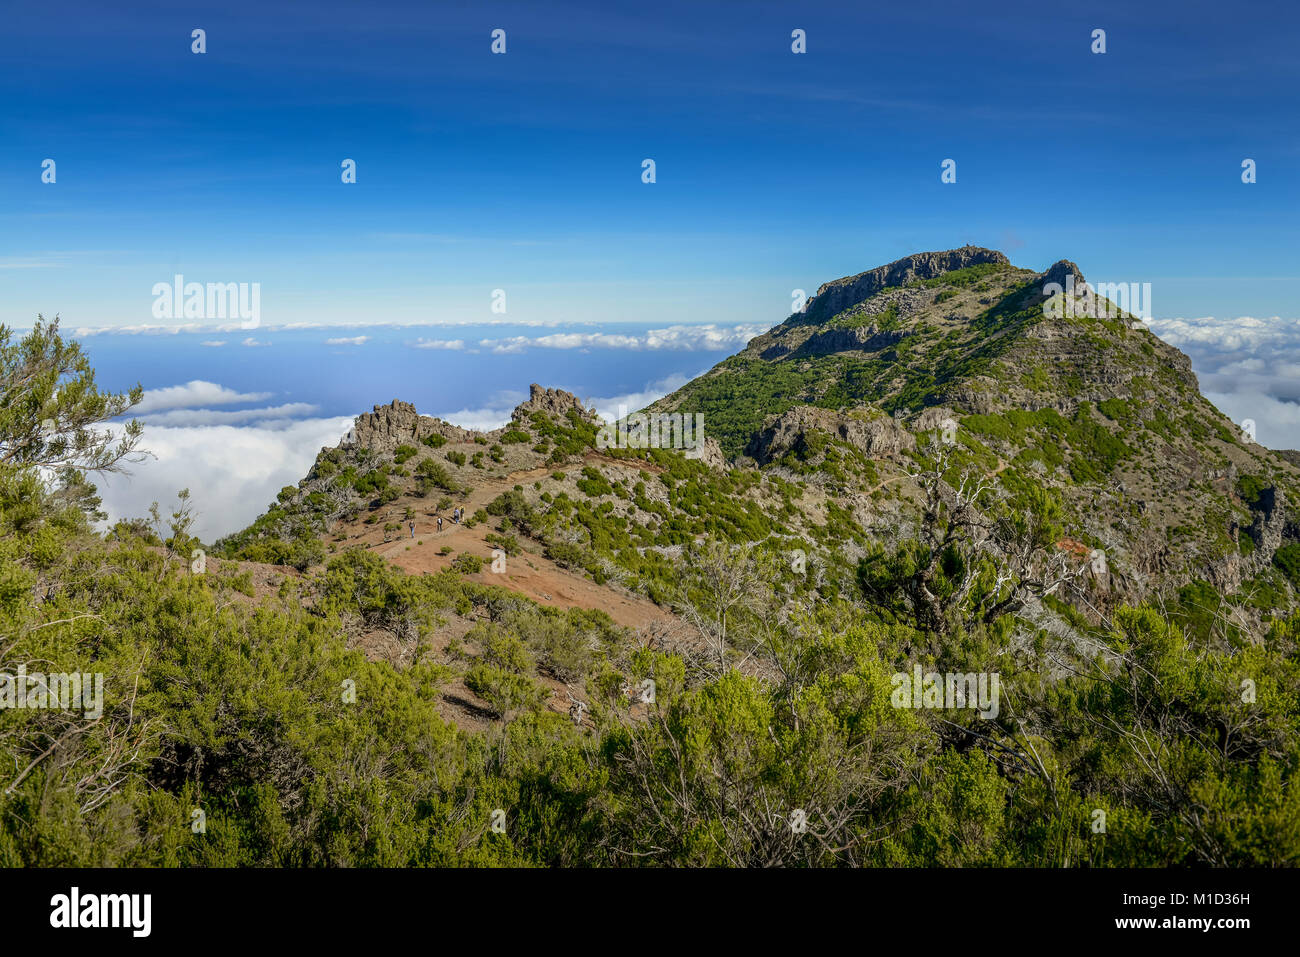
866 339
836 296
555 402
873 436
398 423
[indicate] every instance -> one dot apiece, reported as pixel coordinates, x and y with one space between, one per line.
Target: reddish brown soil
530 573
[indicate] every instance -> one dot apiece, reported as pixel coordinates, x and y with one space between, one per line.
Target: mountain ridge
825 418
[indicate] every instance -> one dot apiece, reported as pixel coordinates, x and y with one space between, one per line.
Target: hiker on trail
440 523
412 524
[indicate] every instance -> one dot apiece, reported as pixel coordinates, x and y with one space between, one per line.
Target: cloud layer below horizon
1248 367
234 461
235 449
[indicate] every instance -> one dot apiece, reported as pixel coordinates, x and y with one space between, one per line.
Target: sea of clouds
234 461
1249 368
235 450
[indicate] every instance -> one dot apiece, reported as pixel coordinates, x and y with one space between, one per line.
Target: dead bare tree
973 560
722 584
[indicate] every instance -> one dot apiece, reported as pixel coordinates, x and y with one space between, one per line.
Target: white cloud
483 419
453 344
497 412
525 323
232 460
192 394
233 473
1244 333
679 338
702 338
348 341
272 417
562 340
142 330
610 408
1248 367
1277 422
213 344
503 347
486 418
170 329
250 341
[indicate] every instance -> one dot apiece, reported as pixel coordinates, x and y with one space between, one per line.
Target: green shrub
1287 559
467 563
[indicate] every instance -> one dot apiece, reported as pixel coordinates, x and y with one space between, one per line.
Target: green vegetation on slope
244 723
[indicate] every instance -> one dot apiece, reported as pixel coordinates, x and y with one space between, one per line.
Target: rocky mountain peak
388 426
834 297
555 402
1059 273
1067 276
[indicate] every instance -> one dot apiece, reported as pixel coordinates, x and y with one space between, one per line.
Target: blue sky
522 172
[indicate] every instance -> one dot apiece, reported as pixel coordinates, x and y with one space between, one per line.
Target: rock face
776 350
387 427
397 423
865 339
1059 273
939 418
834 297
709 452
554 402
1226 574
875 437
1267 529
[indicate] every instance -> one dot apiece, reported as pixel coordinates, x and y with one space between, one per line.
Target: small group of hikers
456 515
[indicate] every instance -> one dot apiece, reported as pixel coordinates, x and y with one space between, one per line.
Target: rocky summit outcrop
385 428
840 294
388 426
554 402
1070 395
1059 273
1060 346
874 436
398 423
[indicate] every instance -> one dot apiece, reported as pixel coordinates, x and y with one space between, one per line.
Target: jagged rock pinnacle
554 402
